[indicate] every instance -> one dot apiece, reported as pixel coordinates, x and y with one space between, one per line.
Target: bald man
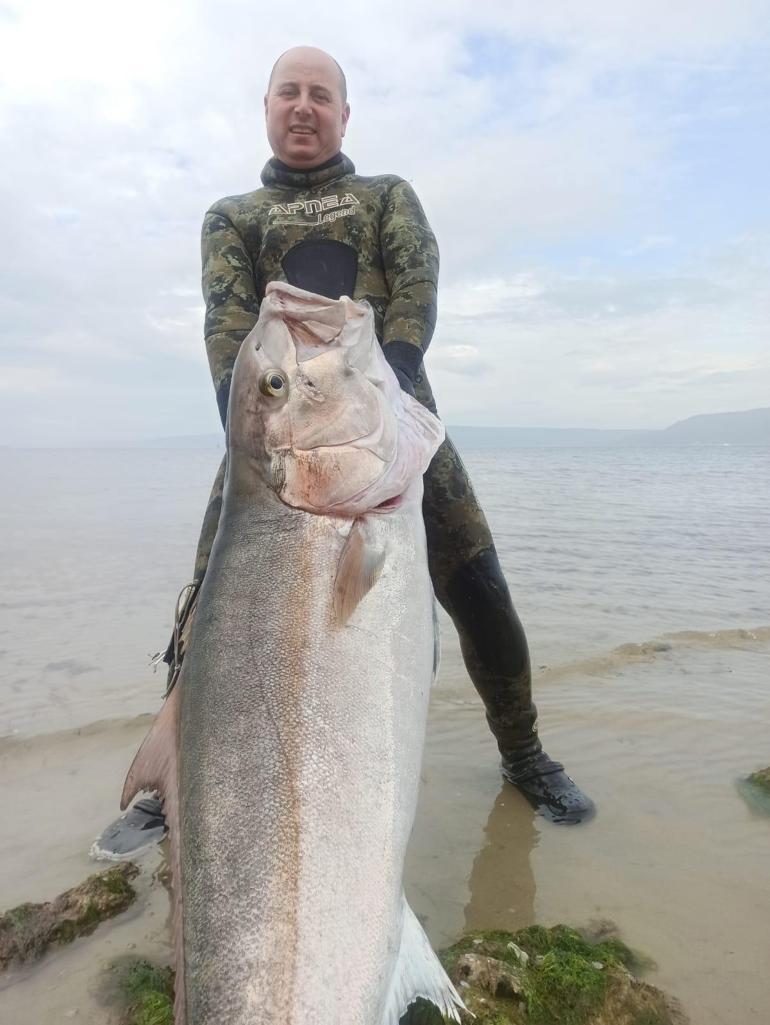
319 225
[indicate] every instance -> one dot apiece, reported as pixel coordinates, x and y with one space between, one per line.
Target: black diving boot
136 829
496 656
548 788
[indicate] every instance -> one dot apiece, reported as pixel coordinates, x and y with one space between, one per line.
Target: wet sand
657 733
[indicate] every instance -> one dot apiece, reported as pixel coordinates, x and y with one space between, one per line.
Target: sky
596 175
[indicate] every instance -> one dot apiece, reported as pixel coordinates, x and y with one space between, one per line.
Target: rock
522 955
755 790
630 1001
143 992
563 978
567 980
761 779
487 973
28 930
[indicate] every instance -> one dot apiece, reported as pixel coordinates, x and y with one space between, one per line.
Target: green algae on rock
755 790
146 991
761 779
536 976
554 976
28 930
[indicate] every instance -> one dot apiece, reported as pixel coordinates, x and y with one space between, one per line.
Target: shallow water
642 579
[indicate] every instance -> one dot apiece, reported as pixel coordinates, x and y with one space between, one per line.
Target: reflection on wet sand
502 884
468 864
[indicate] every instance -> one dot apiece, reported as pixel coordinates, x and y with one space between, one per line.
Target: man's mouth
302 130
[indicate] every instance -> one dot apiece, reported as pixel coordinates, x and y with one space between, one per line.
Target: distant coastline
749 427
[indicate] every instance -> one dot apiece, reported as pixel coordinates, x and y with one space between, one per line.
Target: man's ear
265 104
345 116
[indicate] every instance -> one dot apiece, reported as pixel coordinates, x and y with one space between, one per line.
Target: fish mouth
389 504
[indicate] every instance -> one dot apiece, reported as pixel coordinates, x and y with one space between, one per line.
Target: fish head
318 411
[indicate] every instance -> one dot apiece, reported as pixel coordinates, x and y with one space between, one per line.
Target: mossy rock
556 976
28 930
761 779
536 976
755 790
145 991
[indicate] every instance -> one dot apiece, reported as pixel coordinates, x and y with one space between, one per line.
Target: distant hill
751 427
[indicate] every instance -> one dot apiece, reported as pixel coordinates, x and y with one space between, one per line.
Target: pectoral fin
155 764
359 569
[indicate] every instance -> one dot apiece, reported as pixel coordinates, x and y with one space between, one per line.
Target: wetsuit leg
210 523
469 583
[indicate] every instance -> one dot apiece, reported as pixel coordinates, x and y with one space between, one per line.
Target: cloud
633 351
464 360
32 380
554 149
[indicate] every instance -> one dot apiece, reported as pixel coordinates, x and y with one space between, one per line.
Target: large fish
288 755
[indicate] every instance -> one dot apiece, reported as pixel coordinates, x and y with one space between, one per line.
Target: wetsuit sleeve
232 304
410 258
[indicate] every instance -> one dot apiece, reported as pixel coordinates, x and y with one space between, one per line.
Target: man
319 225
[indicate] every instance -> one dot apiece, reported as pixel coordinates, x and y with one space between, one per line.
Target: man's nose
302 103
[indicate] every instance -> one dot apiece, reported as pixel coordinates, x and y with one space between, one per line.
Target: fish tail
418 973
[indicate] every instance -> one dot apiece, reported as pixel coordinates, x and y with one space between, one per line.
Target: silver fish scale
301 745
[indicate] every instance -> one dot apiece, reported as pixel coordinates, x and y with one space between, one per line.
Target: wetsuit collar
275 172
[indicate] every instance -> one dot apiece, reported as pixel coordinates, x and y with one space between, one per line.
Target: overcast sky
596 173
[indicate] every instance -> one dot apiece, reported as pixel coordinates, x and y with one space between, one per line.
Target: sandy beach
674 857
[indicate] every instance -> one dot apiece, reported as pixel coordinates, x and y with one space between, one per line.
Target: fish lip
338 510
389 504
348 443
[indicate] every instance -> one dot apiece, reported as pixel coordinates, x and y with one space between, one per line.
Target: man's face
304 110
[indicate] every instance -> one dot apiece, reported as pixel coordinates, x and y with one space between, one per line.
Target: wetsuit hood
277 174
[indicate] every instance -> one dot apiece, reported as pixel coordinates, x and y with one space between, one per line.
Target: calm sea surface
643 580
601 548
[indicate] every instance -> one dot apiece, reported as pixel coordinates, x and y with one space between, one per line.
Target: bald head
306 107
312 53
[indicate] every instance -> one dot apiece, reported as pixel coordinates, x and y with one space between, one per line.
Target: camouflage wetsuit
244 241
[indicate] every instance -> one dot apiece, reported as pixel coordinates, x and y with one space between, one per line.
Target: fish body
291 747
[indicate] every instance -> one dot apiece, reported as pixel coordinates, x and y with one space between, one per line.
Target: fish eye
272 383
